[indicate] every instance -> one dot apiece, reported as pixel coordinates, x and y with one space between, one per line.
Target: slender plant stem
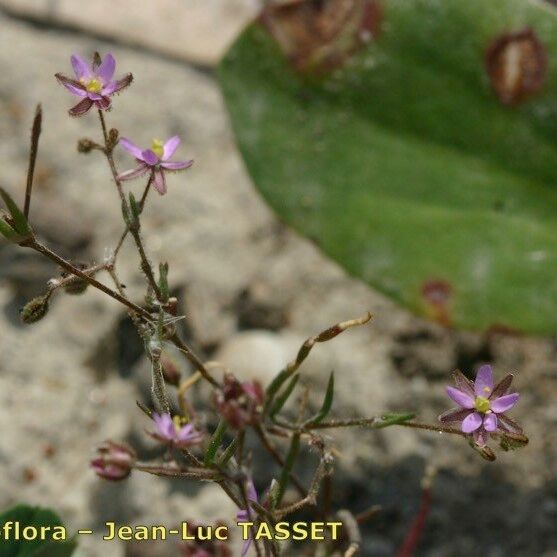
437 428
141 207
110 158
33 244
35 134
270 448
193 359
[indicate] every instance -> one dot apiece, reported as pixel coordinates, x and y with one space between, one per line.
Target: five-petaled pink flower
156 159
482 406
172 432
93 83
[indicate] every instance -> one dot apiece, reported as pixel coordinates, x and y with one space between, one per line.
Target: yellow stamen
158 148
94 85
179 421
482 404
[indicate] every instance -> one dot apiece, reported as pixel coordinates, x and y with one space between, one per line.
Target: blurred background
252 291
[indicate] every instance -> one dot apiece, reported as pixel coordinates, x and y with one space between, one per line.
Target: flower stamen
482 404
158 148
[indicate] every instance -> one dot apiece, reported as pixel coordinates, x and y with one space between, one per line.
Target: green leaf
327 403
215 442
20 223
281 401
393 419
36 517
163 281
403 164
8 232
273 388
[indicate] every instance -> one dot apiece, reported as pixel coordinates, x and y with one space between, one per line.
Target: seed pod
35 310
86 145
76 286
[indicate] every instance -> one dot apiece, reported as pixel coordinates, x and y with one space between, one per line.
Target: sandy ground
252 291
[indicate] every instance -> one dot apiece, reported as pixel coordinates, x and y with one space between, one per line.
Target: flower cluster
95 85
481 405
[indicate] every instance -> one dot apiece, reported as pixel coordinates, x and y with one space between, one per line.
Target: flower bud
170 372
114 462
113 136
86 145
35 310
75 286
240 404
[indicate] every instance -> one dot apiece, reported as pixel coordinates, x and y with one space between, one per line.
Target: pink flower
481 406
156 159
114 462
93 83
172 432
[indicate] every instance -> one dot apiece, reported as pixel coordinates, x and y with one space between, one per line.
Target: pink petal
131 148
472 422
81 67
160 182
106 69
133 173
116 86
504 403
462 399
72 85
490 422
176 165
185 432
251 491
484 382
170 147
149 157
165 425
246 546
480 437
81 108
454 415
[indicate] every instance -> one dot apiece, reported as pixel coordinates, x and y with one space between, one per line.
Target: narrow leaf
281 401
274 387
215 443
8 232
288 466
327 403
394 419
20 222
163 281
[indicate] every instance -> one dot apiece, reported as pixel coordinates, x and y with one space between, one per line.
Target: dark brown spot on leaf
517 66
320 35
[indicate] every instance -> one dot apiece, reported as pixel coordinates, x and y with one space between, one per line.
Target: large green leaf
404 165
26 516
